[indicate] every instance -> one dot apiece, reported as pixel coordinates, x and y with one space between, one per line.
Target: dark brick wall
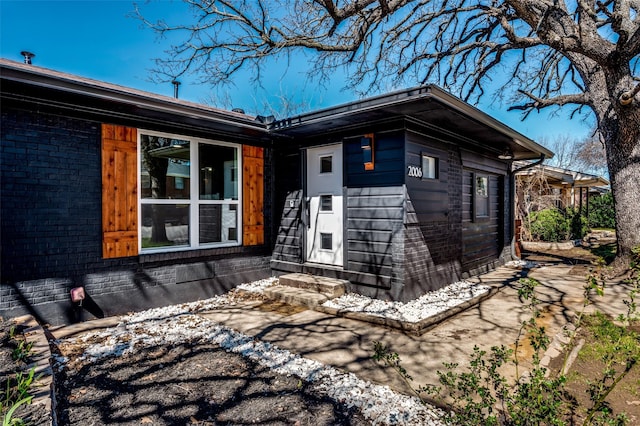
50 224
51 196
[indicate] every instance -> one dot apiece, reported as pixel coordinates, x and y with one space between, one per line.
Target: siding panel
374 216
481 239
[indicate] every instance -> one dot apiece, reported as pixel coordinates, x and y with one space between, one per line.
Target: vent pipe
27 56
176 84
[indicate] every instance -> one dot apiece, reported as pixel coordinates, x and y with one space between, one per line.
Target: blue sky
99 40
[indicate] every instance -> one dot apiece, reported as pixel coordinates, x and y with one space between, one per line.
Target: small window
429 167
326 164
326 203
481 196
326 241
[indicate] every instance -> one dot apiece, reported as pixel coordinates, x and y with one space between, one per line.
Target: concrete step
296 296
331 287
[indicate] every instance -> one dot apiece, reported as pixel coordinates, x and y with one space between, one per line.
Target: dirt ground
32 414
188 384
587 368
625 398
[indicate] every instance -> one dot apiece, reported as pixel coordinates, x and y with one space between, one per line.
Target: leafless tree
591 155
565 150
533 194
581 54
586 155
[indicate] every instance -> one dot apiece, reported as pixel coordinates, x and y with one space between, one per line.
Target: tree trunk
622 142
158 170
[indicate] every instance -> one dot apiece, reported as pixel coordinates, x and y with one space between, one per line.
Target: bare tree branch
535 54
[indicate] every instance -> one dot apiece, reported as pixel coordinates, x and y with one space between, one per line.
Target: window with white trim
189 192
429 167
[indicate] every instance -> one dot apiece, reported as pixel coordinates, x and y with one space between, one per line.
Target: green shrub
578 224
601 212
549 225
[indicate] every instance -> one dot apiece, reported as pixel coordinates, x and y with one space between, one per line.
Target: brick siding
50 222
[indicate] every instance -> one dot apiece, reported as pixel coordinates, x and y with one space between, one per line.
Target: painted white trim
193 201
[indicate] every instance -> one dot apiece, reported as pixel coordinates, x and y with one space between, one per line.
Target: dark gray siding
485 241
374 219
389 161
433 231
430 197
288 201
481 239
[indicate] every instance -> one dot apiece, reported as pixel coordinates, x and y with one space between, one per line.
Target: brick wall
50 225
432 250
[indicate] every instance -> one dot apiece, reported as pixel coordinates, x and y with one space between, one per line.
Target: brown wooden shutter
119 191
252 195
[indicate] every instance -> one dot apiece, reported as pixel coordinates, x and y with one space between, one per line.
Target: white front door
324 195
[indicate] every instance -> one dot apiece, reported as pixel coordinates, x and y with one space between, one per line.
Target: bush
578 223
549 225
601 212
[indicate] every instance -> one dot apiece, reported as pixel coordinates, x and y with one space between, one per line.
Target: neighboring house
146 200
540 186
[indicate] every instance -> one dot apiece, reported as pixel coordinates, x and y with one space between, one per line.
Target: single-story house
144 200
554 186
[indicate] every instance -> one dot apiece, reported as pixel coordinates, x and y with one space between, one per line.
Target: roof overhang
428 105
140 102
558 177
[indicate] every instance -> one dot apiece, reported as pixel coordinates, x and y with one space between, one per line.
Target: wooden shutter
119 191
252 195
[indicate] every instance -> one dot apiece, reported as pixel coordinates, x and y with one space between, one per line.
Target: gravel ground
320 393
428 305
171 366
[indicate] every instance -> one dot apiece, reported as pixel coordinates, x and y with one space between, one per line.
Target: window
326 203
429 167
191 200
326 164
480 196
326 241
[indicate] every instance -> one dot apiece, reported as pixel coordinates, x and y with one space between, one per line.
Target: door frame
306 213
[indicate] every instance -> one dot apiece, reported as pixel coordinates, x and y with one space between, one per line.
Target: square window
429 167
163 159
165 225
217 165
326 241
326 164
326 203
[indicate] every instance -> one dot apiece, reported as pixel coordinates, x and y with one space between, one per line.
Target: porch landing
306 290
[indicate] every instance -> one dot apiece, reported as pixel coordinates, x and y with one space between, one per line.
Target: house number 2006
414 171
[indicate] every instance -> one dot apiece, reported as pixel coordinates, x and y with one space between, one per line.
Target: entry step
296 296
330 287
